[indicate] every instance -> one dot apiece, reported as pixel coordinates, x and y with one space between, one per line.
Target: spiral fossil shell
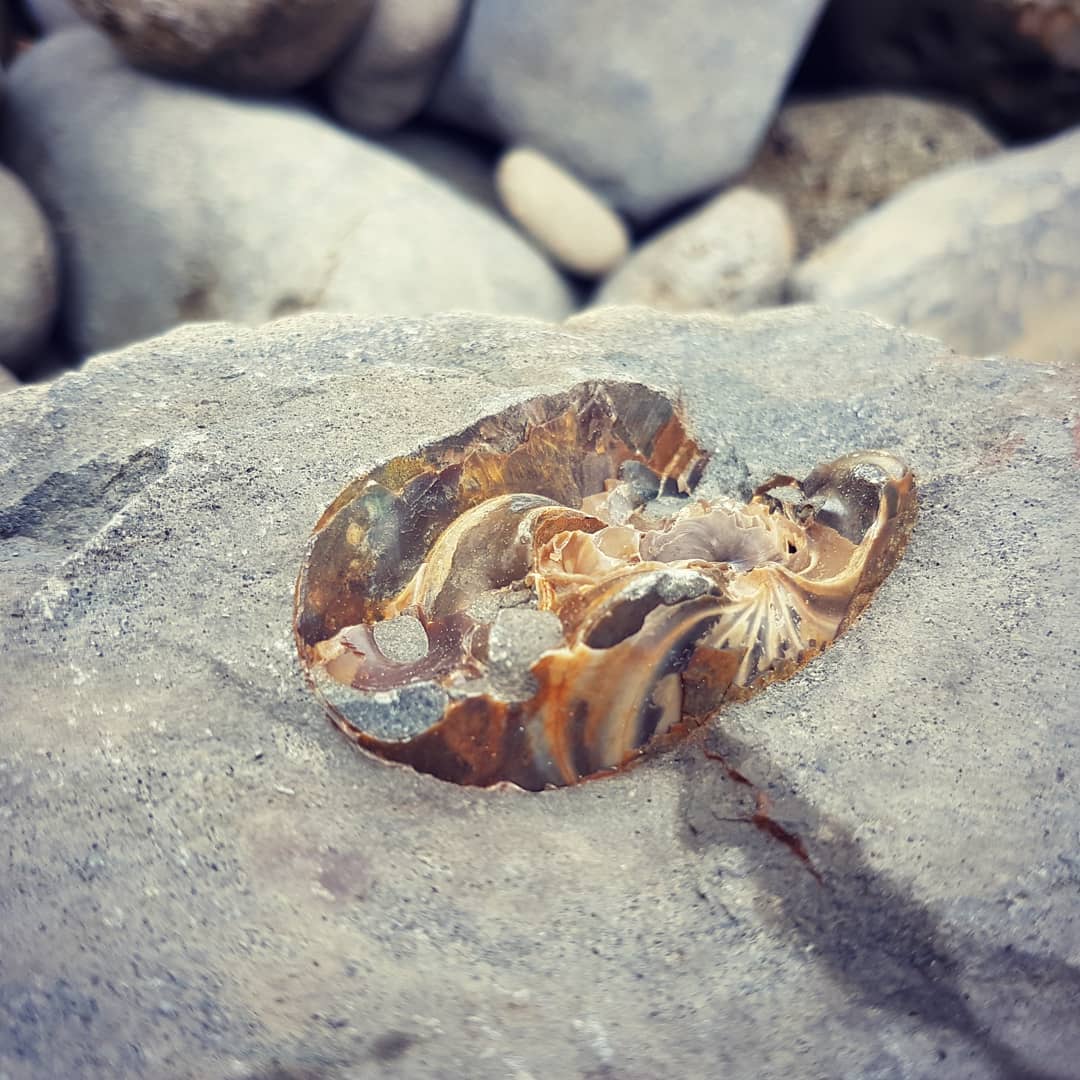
537 599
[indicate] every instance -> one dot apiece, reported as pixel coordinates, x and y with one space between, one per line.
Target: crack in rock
67 508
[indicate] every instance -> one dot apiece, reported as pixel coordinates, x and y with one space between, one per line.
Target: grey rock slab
201 877
262 45
830 160
646 103
173 205
985 256
28 274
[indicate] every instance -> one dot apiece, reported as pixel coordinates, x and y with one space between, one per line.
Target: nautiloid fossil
538 599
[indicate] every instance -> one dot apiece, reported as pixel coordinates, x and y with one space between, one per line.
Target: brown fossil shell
537 599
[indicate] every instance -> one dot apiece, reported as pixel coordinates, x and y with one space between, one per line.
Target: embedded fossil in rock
537 599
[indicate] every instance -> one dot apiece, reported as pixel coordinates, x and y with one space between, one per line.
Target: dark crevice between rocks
873 935
976 51
67 508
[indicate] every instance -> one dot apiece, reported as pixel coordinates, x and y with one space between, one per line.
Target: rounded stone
649 104
247 44
239 209
984 256
383 79
573 224
832 160
28 281
732 255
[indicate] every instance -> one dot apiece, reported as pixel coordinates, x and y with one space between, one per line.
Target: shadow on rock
818 889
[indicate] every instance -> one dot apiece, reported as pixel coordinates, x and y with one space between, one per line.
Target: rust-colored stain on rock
538 599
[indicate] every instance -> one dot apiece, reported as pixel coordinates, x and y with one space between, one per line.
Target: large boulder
172 204
246 44
647 103
986 256
203 878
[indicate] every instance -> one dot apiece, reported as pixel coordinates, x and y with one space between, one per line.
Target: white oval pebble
573 224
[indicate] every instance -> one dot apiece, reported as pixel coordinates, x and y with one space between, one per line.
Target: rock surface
570 222
594 85
246 44
198 207
202 878
28 274
731 255
832 160
985 256
7 381
384 78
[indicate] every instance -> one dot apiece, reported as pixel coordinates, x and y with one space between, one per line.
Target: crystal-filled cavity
526 602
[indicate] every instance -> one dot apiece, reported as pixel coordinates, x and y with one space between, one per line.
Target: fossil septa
525 602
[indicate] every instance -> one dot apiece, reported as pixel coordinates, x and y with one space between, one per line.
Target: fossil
538 599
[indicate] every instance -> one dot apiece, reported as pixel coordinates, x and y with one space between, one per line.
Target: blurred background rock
185 160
